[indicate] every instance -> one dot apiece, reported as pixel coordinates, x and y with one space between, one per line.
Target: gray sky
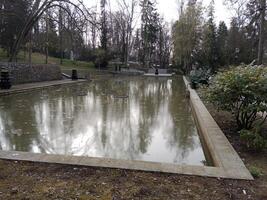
169 9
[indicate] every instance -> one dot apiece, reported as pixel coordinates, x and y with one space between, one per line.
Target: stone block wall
24 73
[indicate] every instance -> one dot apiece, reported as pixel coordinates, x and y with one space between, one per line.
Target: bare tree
238 7
127 24
37 10
244 19
46 39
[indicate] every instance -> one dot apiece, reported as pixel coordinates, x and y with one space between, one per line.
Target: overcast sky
169 9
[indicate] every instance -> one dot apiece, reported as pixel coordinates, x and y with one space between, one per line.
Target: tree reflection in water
124 118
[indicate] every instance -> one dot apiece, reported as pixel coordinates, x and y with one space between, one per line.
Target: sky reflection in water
98 120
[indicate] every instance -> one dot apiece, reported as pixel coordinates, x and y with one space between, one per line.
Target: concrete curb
22 88
221 151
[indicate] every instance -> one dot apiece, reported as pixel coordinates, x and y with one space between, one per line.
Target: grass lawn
38 58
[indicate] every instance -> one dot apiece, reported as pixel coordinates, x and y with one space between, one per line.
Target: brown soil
24 180
251 159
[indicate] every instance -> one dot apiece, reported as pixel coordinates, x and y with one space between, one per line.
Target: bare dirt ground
24 180
251 160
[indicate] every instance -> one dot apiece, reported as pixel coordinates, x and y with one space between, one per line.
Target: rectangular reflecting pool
128 118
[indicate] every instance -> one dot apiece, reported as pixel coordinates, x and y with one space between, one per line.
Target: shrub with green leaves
252 140
199 76
243 92
255 172
101 58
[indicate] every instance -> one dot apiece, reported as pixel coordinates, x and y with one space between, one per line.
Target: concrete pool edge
232 170
114 163
223 155
28 87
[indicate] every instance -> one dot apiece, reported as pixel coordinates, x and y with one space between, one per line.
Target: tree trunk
262 32
61 49
60 35
46 44
25 53
93 30
30 49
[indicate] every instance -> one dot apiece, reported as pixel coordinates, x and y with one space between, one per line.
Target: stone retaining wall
24 73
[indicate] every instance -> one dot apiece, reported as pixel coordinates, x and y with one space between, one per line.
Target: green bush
253 141
241 91
199 76
255 172
101 58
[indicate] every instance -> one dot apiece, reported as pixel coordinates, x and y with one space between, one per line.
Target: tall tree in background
123 26
209 46
136 53
35 11
251 14
163 49
262 31
102 53
187 33
60 30
197 42
58 27
239 8
222 44
103 39
93 30
13 17
149 30
234 40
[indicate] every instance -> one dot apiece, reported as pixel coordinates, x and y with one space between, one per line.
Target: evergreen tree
13 17
209 41
222 35
234 43
250 18
104 39
149 30
262 31
241 47
187 36
102 57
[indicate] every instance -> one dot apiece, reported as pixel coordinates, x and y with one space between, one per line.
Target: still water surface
145 119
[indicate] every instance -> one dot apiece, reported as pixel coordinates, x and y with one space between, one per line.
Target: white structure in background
71 56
